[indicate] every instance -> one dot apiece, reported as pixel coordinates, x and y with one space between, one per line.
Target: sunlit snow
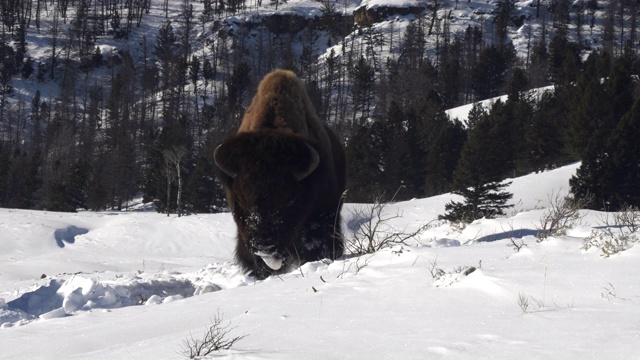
136 284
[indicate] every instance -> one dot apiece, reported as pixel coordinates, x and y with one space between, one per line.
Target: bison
284 175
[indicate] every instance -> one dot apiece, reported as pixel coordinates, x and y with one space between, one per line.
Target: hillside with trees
105 101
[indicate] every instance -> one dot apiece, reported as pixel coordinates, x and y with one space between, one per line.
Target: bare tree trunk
634 23
622 5
55 23
167 167
174 157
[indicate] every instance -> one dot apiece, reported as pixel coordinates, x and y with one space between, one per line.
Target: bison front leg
322 238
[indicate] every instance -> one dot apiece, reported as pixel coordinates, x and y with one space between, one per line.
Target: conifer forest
103 102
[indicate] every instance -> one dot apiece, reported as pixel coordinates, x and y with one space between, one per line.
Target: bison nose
262 249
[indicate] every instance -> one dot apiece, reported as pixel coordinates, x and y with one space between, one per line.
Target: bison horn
313 164
220 164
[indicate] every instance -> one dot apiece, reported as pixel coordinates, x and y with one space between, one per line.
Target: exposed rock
287 23
364 16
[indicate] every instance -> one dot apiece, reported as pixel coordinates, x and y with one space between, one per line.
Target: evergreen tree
238 90
539 65
394 153
364 157
431 127
506 122
476 114
612 177
620 84
414 163
622 170
544 142
23 180
7 69
443 156
363 78
203 193
478 178
76 184
490 70
5 166
564 60
97 189
451 73
504 10
166 50
375 156
590 121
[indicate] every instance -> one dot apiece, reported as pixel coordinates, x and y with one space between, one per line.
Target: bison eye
294 197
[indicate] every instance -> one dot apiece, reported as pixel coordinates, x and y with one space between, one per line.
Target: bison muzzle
284 175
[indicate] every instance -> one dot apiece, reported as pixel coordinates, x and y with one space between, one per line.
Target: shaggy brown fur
284 175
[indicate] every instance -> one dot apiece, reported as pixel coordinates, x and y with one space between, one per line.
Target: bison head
266 175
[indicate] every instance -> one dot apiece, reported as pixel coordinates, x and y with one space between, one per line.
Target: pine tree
376 154
23 180
451 73
5 167
443 156
476 114
622 171
489 72
612 177
166 49
478 178
394 152
363 78
539 66
414 163
504 9
544 142
238 89
364 158
564 60
588 122
203 193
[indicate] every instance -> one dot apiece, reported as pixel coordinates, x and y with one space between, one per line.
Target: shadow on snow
68 235
517 233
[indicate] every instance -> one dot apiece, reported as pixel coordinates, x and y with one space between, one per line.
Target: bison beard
284 175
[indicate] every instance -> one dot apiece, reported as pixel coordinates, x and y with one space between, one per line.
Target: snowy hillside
390 22
131 285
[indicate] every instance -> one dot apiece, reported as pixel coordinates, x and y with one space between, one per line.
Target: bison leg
322 239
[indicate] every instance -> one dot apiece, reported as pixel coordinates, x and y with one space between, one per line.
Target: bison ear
221 158
311 165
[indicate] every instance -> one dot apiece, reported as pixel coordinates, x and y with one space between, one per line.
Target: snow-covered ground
132 285
462 112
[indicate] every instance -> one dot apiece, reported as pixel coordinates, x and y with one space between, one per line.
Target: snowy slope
386 305
462 112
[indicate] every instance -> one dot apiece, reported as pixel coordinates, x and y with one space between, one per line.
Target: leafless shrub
628 219
609 292
436 272
517 246
374 232
617 233
443 278
563 213
360 263
523 302
526 301
216 337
